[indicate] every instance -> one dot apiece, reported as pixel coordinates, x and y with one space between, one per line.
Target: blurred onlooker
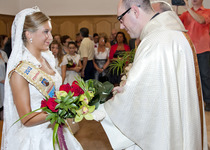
64 41
3 61
3 41
197 21
113 40
8 47
101 59
60 61
95 40
116 52
74 63
57 37
78 40
86 51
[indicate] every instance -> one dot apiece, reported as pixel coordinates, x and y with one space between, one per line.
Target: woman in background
116 53
101 59
74 64
60 60
3 61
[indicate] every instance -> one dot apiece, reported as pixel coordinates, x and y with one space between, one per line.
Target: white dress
58 67
100 60
38 137
71 75
2 76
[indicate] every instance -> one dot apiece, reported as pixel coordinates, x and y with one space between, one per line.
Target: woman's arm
80 65
95 65
200 19
63 73
107 63
21 97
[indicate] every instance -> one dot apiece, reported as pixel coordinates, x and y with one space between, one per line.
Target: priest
160 107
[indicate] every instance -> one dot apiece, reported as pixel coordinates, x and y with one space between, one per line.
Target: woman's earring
30 40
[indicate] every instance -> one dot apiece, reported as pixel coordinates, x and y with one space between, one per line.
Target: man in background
113 37
86 51
197 21
95 40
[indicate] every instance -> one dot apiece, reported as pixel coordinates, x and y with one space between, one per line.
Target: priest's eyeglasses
123 14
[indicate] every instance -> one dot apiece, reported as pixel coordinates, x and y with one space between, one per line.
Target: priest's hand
117 89
98 115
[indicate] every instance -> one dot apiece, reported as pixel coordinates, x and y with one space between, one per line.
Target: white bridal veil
16 56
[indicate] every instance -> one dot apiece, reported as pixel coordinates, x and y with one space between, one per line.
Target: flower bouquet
77 101
71 64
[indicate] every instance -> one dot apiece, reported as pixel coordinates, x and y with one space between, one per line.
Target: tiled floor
92 136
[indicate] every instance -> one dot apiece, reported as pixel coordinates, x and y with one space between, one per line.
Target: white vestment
159 107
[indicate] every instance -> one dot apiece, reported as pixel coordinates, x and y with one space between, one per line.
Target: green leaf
65 99
70 100
73 106
47 110
58 106
50 116
52 120
73 111
55 130
62 121
58 100
59 120
88 95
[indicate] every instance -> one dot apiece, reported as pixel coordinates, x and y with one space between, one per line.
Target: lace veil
16 56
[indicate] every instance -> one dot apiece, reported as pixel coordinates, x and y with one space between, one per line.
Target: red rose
43 103
65 87
74 82
76 89
51 104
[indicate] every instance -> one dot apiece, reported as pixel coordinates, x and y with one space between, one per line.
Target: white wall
9 7
73 7
69 7
206 3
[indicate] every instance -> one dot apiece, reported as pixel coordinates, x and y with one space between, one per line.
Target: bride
31 76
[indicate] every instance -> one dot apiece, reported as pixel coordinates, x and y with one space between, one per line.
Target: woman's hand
100 70
117 89
77 69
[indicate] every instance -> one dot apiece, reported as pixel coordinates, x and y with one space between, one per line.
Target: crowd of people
160 105
88 57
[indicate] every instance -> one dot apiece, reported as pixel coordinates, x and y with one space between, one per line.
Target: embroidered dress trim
35 76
